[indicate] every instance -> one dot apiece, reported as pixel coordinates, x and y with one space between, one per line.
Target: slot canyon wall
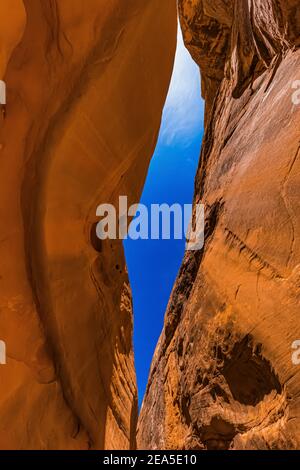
86 84
222 375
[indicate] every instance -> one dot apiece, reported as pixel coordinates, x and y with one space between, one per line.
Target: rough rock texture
222 375
86 83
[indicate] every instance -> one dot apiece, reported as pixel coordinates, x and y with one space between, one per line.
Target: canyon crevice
222 376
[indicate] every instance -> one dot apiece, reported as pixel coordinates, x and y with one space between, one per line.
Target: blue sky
153 264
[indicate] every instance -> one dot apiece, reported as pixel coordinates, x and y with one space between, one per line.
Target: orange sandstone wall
86 84
222 375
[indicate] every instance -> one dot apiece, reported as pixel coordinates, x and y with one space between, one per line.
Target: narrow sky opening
153 264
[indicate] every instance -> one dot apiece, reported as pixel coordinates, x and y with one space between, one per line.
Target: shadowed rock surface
86 85
222 375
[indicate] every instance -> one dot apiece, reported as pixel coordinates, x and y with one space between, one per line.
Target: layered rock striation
223 375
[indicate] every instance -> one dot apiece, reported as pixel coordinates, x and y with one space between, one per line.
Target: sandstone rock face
223 376
86 84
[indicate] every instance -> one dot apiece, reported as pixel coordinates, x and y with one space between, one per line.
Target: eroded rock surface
86 84
222 376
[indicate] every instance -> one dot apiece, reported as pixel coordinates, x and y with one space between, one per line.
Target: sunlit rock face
86 83
223 376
